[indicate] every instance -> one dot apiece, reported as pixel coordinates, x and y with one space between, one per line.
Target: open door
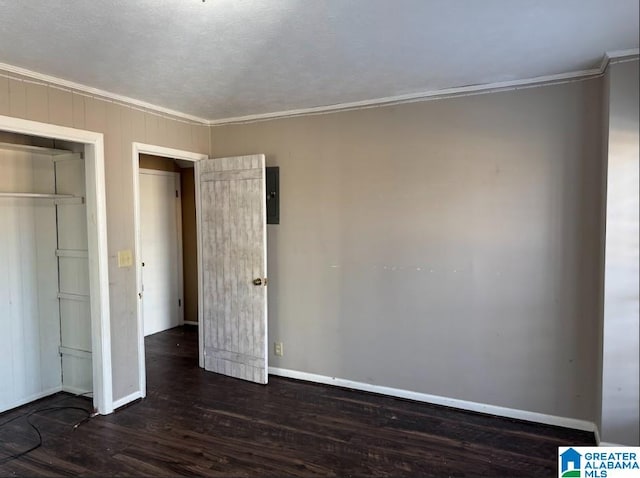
234 267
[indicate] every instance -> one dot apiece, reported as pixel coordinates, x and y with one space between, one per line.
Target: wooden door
161 244
234 267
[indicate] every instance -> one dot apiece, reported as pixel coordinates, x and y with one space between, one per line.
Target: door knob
257 281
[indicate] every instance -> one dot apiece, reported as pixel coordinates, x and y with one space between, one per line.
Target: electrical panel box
273 194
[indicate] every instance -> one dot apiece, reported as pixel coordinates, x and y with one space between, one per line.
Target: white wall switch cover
125 258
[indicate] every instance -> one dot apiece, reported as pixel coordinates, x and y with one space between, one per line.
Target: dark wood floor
201 424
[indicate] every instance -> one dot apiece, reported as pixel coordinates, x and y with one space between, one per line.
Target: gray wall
448 247
621 361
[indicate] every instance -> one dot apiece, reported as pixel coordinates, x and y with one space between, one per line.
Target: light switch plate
125 258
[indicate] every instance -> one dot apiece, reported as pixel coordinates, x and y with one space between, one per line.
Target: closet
45 314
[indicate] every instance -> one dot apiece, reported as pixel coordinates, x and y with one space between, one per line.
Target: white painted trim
607 58
190 322
137 240
102 94
127 399
438 400
99 275
137 149
618 56
417 97
157 172
31 398
596 433
97 245
75 390
28 127
154 150
609 444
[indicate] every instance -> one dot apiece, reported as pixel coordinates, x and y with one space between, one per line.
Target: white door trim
137 149
97 243
178 212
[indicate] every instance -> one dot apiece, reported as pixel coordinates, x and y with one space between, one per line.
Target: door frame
137 149
178 214
97 245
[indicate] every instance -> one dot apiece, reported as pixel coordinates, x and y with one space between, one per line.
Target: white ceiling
230 58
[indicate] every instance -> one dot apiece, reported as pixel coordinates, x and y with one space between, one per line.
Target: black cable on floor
28 416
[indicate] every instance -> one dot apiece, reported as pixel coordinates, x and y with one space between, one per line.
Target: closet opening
53 309
45 336
168 243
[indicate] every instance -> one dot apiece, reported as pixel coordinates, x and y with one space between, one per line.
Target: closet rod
36 195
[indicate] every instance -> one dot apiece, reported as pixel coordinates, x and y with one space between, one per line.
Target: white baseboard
30 398
128 399
438 400
76 390
607 444
190 322
596 433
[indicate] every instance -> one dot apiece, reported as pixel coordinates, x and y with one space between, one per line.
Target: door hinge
179 302
177 195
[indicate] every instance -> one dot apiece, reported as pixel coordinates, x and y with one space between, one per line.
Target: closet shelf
67 198
77 253
74 297
26 148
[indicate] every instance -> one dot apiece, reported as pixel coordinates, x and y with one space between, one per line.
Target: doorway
167 163
168 243
89 178
162 251
230 204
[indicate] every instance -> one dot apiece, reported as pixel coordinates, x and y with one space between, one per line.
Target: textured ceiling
230 58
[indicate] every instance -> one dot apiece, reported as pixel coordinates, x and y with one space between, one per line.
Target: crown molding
619 56
101 94
417 97
610 57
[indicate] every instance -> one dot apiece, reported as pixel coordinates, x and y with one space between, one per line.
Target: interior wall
621 339
121 125
189 245
29 315
159 163
447 247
